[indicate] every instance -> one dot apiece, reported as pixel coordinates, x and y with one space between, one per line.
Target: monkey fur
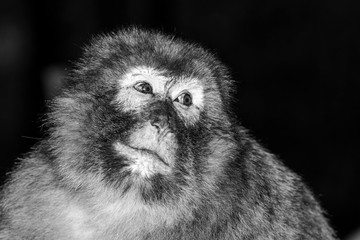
143 144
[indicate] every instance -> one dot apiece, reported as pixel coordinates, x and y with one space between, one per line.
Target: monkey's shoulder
31 196
272 195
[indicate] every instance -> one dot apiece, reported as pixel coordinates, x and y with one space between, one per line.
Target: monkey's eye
143 87
184 99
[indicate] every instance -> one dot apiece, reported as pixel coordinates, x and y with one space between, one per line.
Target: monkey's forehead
134 47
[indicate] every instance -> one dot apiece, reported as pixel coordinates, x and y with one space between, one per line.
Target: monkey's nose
160 121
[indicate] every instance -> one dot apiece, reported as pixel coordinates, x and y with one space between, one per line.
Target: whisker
33 138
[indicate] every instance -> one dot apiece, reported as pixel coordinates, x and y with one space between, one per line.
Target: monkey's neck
94 217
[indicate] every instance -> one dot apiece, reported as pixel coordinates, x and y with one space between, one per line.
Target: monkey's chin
142 162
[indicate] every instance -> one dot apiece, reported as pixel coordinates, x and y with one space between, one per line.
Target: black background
296 64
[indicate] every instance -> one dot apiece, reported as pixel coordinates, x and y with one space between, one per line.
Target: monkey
144 143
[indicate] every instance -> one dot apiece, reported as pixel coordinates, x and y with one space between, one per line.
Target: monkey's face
164 109
152 120
156 149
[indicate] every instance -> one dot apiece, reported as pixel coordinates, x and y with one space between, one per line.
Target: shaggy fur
123 160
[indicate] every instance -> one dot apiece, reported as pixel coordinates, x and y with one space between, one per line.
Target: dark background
296 64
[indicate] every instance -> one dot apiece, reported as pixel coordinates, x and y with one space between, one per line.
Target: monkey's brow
170 82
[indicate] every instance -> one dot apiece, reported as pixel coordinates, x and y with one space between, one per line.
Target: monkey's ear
79 79
72 82
227 85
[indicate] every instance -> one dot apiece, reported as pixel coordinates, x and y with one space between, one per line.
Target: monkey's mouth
134 154
149 152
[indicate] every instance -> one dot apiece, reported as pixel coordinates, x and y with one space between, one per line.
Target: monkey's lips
150 152
140 155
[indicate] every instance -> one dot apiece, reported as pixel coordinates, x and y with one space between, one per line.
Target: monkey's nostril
155 124
159 122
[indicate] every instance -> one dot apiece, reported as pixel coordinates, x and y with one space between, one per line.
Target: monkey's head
143 113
